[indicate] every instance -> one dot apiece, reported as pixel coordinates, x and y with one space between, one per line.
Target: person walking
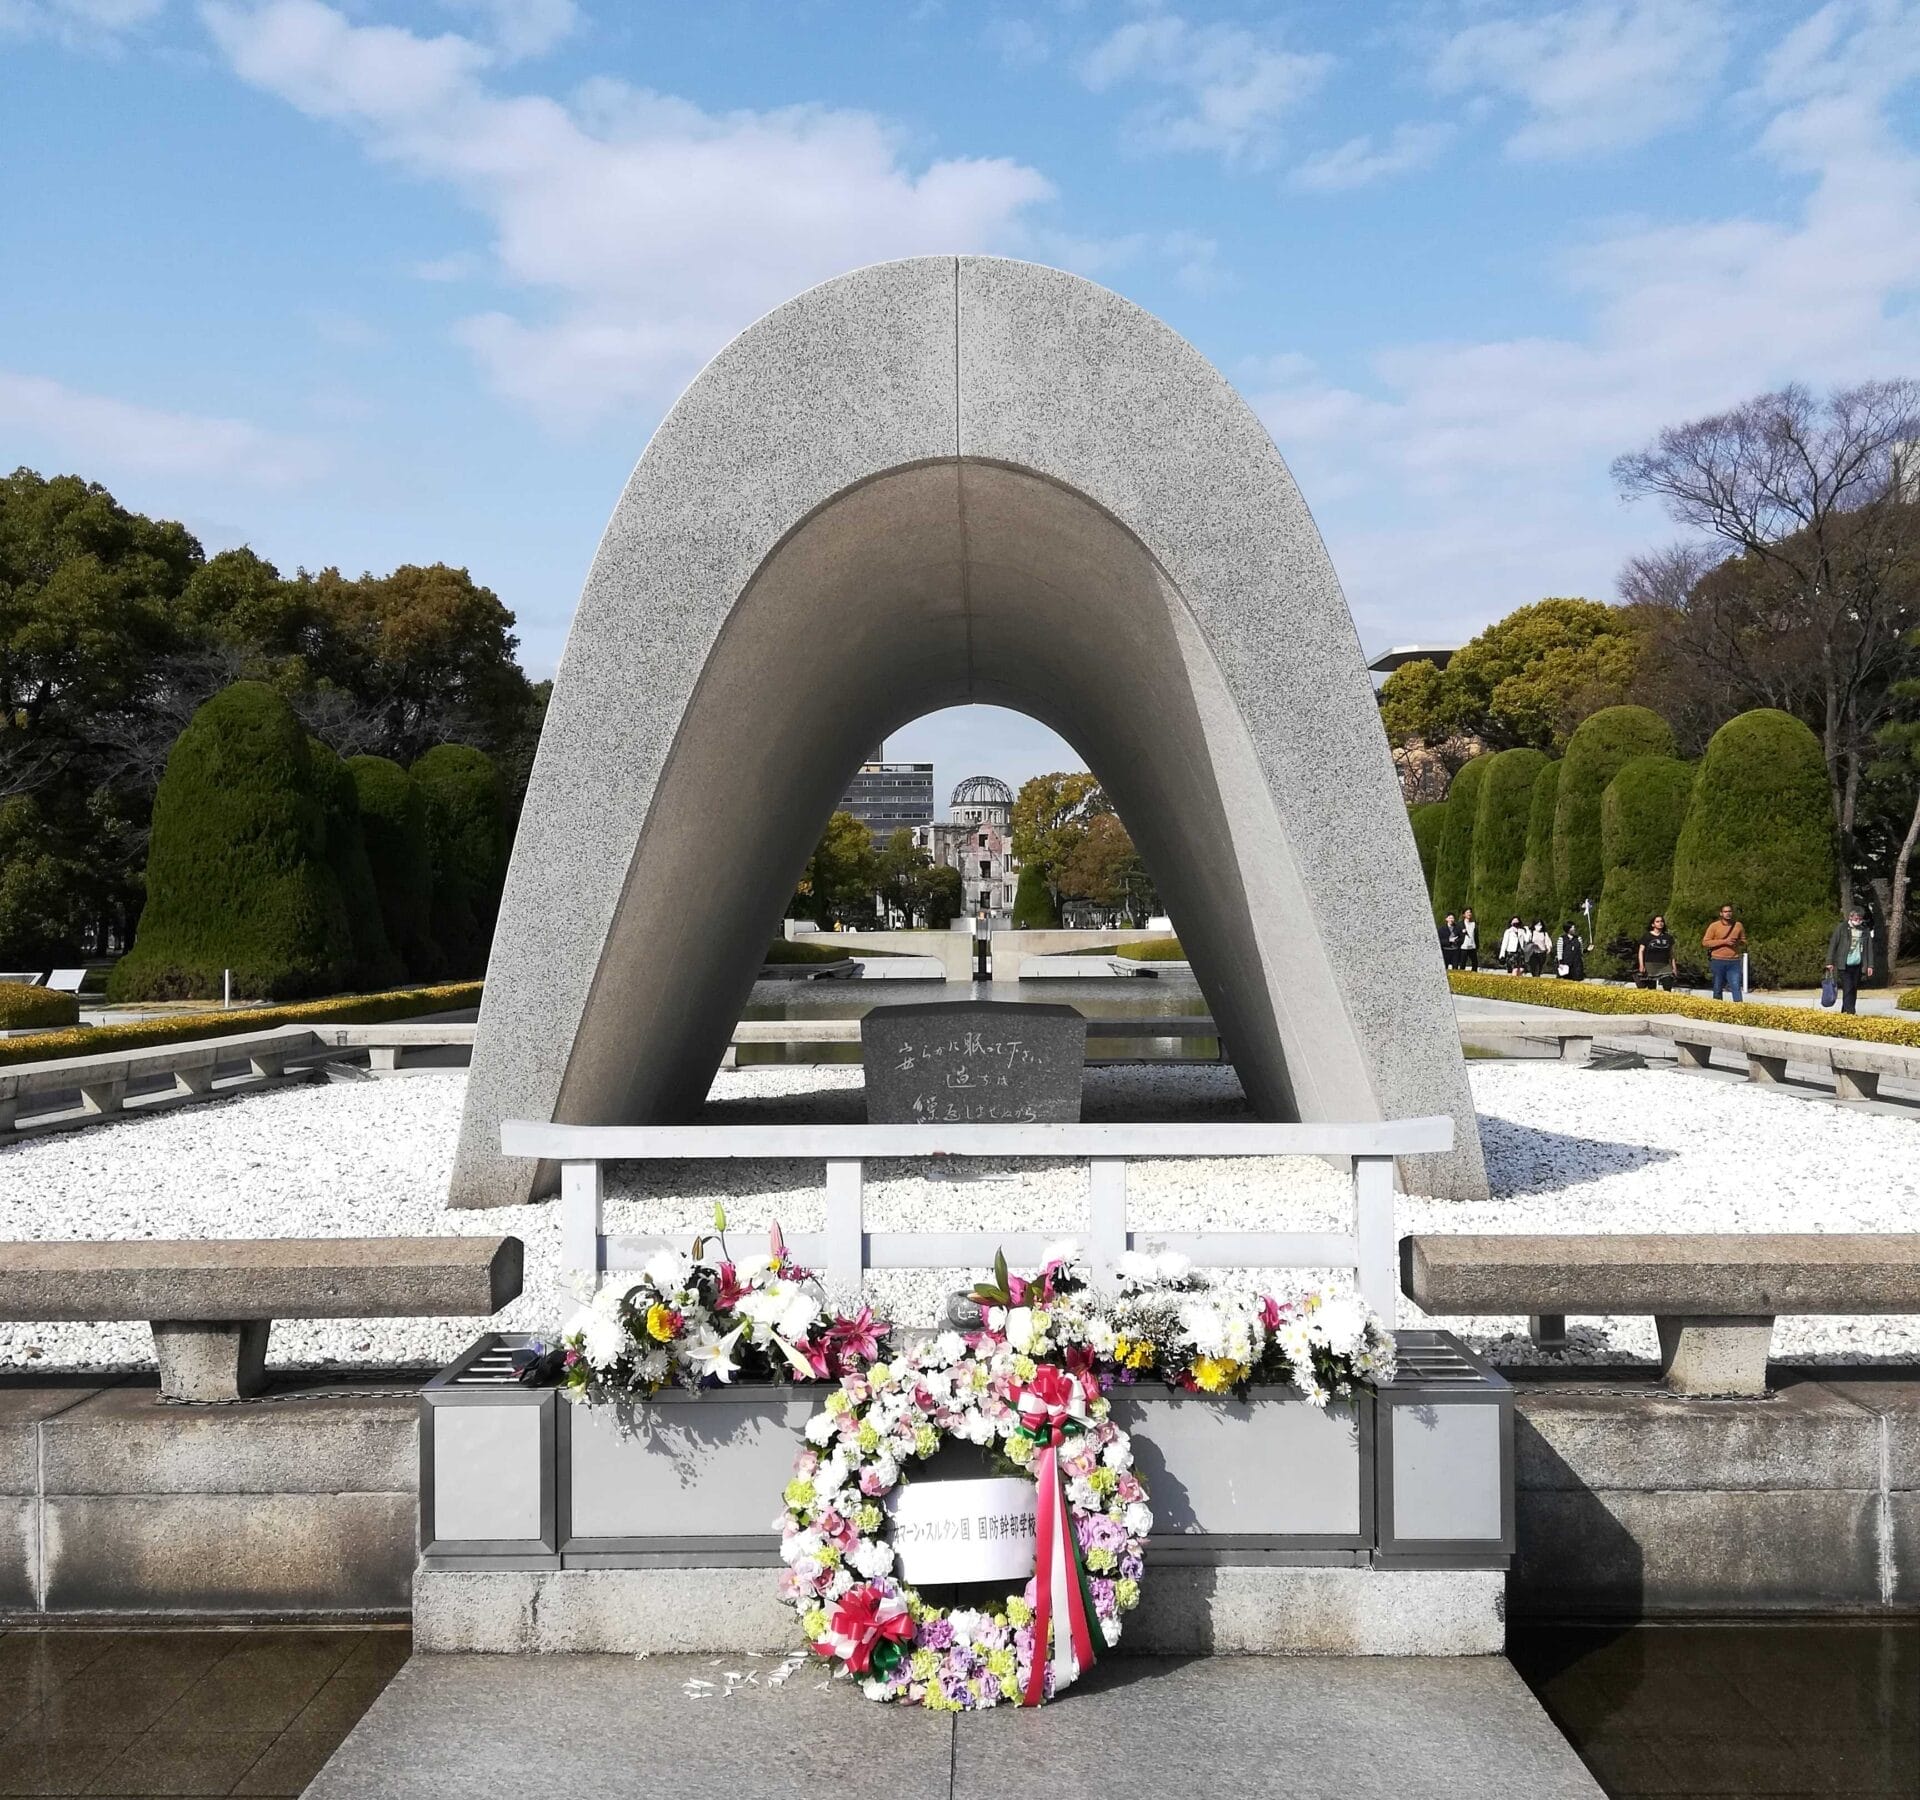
1656 953
1725 942
1541 947
1469 940
1515 942
1850 956
1571 954
1450 941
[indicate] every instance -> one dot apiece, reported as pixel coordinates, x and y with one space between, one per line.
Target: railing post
581 1245
1106 1216
846 1232
1377 1276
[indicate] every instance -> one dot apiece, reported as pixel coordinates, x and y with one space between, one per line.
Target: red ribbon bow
1051 1408
867 1629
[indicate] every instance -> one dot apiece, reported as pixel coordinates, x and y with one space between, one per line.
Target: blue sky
371 282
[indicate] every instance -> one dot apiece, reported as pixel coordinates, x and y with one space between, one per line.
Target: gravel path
1569 1150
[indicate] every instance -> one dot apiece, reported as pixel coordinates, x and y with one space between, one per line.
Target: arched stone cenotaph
925 483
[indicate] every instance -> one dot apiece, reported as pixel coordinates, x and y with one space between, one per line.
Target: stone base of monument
1382 1527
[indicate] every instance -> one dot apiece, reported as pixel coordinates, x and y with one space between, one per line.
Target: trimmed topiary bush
237 871
1500 834
393 826
1640 818
1453 873
1536 897
467 841
374 963
1429 822
1596 753
24 1007
1033 907
1759 836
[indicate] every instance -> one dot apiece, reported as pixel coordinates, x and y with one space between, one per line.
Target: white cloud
459 265
104 435
1363 160
1234 88
1597 75
1495 453
520 28
78 24
657 229
1019 43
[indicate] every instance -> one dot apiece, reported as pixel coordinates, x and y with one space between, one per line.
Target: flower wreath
1092 1521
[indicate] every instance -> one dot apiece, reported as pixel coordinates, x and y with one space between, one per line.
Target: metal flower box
1419 1475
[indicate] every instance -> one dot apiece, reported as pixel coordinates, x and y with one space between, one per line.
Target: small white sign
963 1530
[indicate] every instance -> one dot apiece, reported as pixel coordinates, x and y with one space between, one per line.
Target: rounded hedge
1640 818
393 826
1429 822
1759 836
375 965
1536 897
467 841
1453 872
1033 907
25 1007
237 870
1596 753
1500 832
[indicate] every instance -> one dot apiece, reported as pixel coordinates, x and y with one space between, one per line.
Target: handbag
1829 993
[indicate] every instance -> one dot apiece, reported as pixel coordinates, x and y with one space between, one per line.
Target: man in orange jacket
1725 942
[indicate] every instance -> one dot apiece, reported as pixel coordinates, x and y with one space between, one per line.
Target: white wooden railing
845 1249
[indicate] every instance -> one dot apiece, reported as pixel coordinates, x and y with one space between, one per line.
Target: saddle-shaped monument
925 483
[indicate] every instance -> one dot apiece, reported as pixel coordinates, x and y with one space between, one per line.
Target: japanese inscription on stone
963 1530
973 1062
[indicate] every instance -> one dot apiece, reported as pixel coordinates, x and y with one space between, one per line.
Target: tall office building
887 797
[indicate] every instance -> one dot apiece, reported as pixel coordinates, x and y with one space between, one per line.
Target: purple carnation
937 1634
1130 1567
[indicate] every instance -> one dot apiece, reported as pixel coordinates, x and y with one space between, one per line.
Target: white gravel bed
1569 1150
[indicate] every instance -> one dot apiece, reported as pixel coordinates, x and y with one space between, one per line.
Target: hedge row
1909 1000
1579 996
1152 950
346 1009
1641 814
1536 897
1453 875
1599 748
1500 836
23 1007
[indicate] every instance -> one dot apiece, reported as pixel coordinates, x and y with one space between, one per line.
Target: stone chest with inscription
973 1062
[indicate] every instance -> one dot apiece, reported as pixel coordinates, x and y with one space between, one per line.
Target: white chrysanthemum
1118 1454
1203 1327
1135 1266
797 1317
822 1428
872 1557
668 1270
1341 1323
950 1346
1138 1519
1110 1628
803 1546
1062 1250
1172 1265
605 1342
976 1428
1080 1493
966 1623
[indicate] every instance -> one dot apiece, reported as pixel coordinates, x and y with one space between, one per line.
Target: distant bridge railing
845 1249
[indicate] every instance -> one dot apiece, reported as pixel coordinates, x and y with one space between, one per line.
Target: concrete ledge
1266 1610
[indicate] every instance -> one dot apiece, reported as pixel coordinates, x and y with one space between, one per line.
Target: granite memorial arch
922 484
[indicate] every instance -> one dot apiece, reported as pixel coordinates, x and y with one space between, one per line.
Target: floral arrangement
703 1319
1092 1525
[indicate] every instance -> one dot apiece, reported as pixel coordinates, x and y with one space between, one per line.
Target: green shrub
374 964
26 1008
186 1028
1033 907
393 826
1587 997
1453 873
1596 753
1536 897
466 838
237 871
804 950
1429 822
1909 1000
1759 836
1151 950
1500 834
1640 818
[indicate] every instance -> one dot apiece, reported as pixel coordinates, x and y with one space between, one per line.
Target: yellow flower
867 1438
925 1440
1019 1449
1216 1374
837 1402
799 1492
869 1518
814 1624
1102 1480
660 1323
1018 1611
924 1665
1126 1594
1009 1686
1100 1561
1023 1367
1001 1663
829 1555
879 1375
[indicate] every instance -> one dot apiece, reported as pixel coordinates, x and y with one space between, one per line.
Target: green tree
1429 822
1536 897
237 874
1759 836
1033 907
1641 813
375 965
841 874
944 896
467 840
1596 752
1453 875
1416 702
1105 870
902 873
1500 833
393 827
1050 817
37 883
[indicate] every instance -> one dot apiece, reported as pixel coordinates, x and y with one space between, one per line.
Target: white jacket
1516 941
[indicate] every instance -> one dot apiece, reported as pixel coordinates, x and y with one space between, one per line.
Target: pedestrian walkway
593 1727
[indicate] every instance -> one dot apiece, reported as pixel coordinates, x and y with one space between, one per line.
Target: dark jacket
1837 947
1571 951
